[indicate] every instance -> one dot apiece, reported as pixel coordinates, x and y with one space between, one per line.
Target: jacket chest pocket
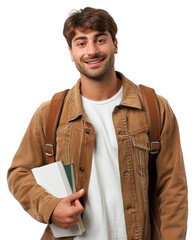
69 141
141 148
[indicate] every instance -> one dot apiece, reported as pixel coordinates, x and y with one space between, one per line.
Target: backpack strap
55 110
153 115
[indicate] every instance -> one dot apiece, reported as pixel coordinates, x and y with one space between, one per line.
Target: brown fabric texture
75 139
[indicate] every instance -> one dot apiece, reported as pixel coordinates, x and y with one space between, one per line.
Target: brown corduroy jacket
167 217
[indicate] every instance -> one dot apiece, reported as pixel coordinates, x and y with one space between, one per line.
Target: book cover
69 168
54 179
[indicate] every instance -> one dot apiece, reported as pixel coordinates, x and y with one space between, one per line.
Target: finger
79 207
78 204
76 214
76 195
76 210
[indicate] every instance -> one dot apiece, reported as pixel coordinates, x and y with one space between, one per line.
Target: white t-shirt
104 216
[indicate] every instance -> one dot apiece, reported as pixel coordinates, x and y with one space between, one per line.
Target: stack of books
59 180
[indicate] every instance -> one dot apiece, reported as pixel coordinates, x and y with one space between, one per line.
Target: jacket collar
130 98
75 108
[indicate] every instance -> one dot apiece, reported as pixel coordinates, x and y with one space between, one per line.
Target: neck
99 90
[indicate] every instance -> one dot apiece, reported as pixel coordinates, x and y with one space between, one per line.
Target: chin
96 77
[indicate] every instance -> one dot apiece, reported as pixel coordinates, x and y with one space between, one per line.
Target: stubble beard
99 75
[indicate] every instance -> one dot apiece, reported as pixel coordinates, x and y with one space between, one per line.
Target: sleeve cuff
48 207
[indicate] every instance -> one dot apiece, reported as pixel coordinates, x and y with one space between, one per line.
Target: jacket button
126 173
121 133
129 207
87 131
81 169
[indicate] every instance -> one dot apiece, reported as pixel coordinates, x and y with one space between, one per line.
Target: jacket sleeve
33 198
171 178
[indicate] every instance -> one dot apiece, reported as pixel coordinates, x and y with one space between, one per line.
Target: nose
92 48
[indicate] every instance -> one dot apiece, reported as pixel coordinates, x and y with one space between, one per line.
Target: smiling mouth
94 61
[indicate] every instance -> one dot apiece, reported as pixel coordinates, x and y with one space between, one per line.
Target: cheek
109 49
77 55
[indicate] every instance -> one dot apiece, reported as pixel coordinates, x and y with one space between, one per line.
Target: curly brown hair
89 18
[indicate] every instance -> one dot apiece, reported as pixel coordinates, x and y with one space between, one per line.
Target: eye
100 40
81 44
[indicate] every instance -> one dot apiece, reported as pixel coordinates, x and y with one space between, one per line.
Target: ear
71 54
116 46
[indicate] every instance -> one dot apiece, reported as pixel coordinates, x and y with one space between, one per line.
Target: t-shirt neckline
104 101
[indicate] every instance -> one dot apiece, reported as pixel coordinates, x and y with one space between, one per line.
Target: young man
103 130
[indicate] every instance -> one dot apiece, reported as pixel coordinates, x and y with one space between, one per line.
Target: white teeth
94 62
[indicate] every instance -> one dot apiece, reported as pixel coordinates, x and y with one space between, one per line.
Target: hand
67 212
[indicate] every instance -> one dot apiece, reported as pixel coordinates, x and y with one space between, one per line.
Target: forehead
89 34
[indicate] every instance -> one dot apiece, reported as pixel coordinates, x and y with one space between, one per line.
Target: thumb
76 195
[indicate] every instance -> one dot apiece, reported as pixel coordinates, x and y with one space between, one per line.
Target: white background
156 48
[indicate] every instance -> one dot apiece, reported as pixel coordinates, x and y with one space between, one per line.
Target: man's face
93 53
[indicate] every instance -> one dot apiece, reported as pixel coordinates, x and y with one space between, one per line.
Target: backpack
153 116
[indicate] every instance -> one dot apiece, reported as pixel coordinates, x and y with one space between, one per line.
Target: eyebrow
95 36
